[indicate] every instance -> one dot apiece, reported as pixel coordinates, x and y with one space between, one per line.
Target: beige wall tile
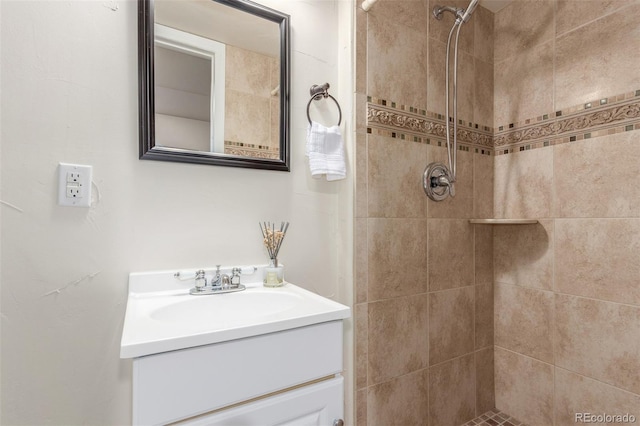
452 391
523 254
361 318
598 177
248 72
483 246
599 339
484 315
397 257
485 383
391 49
522 25
361 407
599 258
400 401
242 108
483 86
524 321
524 388
483 186
609 66
362 158
450 253
466 87
394 171
274 122
460 206
361 113
450 324
578 394
523 184
570 14
436 77
484 34
361 265
397 343
274 73
523 84
436 81
410 13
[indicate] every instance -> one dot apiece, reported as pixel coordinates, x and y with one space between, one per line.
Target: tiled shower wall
251 77
567 291
424 278
556 92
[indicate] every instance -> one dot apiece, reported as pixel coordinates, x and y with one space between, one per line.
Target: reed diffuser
272 238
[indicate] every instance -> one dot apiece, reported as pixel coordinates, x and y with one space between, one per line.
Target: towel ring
319 92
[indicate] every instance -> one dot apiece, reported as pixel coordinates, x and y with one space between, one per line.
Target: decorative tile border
586 123
591 105
250 150
412 124
616 114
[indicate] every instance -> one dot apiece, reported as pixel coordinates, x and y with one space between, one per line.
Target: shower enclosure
539 321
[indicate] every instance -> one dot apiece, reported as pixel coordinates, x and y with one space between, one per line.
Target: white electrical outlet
74 185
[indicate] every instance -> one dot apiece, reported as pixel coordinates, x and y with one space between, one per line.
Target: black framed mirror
214 83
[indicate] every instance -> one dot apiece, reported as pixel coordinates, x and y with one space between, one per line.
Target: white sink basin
230 308
162 316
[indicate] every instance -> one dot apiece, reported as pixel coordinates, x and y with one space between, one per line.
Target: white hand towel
325 150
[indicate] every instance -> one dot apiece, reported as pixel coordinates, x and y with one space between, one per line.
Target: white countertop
162 316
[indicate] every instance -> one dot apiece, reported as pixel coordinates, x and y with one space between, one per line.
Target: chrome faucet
220 283
215 281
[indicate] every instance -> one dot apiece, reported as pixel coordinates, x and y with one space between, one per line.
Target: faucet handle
235 276
201 280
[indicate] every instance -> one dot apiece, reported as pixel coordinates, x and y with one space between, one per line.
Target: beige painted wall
69 93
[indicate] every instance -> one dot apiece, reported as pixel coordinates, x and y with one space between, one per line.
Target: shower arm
463 15
439 10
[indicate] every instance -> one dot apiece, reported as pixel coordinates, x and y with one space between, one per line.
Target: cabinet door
177 385
319 404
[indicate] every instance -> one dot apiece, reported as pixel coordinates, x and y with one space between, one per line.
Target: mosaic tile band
388 118
616 114
250 150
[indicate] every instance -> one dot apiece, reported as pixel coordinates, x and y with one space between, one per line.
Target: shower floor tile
494 417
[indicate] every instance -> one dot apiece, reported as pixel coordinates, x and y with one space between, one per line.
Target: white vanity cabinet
256 357
289 377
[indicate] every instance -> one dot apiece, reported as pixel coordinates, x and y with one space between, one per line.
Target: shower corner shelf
503 221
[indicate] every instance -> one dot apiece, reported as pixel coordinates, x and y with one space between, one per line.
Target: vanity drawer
317 404
175 385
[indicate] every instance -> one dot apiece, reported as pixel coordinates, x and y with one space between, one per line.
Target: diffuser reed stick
273 237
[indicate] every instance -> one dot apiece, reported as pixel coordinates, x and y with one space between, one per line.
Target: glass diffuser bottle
272 239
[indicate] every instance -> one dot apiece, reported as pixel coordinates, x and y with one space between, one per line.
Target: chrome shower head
466 15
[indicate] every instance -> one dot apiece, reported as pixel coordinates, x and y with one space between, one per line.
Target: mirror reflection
218 79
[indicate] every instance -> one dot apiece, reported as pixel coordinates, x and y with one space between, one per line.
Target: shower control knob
437 182
441 180
338 422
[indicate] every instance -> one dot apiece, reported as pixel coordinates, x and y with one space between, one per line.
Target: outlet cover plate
74 185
